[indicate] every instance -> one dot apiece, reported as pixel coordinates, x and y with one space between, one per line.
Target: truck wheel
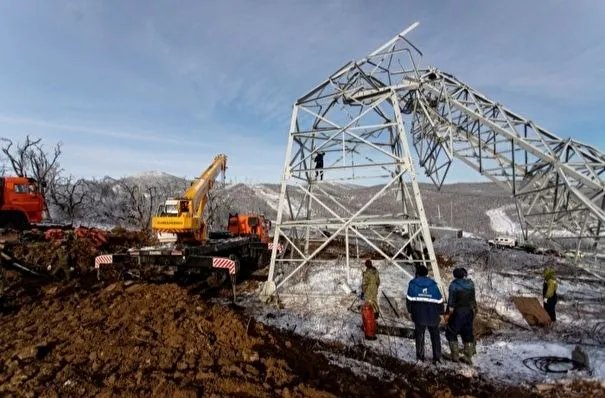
15 220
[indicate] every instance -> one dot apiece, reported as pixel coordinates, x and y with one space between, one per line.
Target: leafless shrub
219 204
70 197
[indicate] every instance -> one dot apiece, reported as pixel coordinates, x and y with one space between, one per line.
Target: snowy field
318 306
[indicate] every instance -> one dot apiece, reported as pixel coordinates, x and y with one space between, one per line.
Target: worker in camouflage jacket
369 286
463 306
549 292
424 303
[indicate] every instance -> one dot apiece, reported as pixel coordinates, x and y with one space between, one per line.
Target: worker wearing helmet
549 292
369 286
463 304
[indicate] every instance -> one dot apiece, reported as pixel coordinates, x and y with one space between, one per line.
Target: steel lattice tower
356 118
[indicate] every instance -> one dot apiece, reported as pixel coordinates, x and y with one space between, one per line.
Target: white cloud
215 74
45 125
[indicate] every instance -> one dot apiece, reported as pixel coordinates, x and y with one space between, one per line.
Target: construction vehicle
180 220
21 204
249 224
186 246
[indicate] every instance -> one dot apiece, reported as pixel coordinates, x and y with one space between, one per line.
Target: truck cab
249 224
21 203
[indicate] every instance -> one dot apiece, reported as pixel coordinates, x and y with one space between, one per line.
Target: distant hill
460 205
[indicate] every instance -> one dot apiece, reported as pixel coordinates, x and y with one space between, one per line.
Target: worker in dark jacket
549 292
319 165
369 286
424 302
463 304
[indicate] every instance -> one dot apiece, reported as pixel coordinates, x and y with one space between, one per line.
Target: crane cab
174 222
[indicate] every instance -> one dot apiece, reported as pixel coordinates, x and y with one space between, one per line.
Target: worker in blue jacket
424 302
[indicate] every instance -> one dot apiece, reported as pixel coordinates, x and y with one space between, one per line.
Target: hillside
465 204
131 201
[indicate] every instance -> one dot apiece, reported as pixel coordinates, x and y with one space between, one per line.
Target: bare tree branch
70 197
217 209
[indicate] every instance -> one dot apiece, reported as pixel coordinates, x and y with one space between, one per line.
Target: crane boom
181 219
198 191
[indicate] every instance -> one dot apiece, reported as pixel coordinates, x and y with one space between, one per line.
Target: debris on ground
65 251
532 311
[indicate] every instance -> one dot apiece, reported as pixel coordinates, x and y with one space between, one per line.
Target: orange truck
21 204
249 224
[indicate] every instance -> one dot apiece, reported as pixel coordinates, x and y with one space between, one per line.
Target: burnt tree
70 197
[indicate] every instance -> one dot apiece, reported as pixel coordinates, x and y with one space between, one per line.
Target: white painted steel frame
356 118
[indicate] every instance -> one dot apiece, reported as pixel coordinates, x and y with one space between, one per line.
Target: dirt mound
60 250
152 340
159 340
40 255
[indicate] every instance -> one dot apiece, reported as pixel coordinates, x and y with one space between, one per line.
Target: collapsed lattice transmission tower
356 119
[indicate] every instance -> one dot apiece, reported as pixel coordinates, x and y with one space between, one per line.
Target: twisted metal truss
557 184
356 117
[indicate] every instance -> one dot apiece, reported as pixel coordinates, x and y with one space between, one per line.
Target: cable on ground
551 364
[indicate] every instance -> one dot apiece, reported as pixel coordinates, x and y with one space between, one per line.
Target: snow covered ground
501 223
320 308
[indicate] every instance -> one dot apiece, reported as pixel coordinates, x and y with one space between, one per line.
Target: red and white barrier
104 259
280 248
220 262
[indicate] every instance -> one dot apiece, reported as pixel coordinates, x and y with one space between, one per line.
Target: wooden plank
532 311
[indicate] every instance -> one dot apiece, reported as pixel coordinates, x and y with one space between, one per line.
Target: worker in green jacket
369 286
549 292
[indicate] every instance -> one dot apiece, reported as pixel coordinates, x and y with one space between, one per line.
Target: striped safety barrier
280 248
225 263
103 259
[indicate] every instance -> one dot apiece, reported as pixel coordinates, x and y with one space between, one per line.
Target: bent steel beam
354 121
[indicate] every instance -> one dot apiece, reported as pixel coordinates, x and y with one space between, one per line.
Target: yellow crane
181 219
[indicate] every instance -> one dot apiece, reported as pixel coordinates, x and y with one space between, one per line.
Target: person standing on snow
549 292
424 302
369 286
463 303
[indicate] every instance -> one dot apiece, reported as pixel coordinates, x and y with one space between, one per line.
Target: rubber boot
455 351
468 354
474 343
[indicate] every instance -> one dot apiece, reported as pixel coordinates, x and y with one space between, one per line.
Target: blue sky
132 86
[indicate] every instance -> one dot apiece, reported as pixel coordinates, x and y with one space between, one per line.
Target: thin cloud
26 122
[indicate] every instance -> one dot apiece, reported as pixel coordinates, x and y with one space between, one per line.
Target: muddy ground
84 337
88 338
165 340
